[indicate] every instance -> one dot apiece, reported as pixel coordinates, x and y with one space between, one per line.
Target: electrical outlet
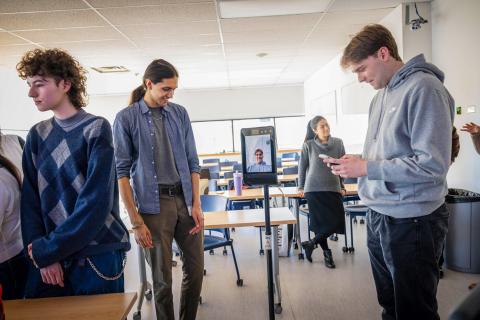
471 109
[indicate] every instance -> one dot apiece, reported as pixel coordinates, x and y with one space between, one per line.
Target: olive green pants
174 222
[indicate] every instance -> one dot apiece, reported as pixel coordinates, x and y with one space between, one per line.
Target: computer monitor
259 155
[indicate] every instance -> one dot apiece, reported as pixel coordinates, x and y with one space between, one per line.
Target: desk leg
296 211
276 270
143 282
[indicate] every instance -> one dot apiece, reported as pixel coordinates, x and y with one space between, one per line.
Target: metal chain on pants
104 277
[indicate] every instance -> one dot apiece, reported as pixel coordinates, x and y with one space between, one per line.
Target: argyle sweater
69 204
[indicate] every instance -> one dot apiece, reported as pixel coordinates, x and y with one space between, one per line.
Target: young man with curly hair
69 207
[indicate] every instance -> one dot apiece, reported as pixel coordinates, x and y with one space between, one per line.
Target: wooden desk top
247 218
114 306
288 164
257 193
281 178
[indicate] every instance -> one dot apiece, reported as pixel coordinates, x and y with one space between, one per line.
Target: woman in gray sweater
322 189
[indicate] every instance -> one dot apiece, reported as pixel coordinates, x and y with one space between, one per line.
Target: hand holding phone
324 156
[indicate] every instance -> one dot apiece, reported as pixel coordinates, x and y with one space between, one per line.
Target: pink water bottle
237 182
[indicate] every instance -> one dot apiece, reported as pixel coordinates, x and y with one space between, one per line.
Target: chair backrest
212 160
237 167
350 180
215 168
228 174
290 170
212 203
214 175
288 155
212 185
228 163
204 173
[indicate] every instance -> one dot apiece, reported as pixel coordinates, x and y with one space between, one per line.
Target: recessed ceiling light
110 69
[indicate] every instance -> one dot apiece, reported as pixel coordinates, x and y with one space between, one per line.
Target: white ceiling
208 51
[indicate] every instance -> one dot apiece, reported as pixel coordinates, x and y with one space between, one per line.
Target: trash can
462 248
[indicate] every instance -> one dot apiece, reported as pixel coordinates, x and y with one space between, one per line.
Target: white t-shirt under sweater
10 148
10 233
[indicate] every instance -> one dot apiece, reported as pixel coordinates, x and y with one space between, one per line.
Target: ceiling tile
156 14
71 34
15 50
139 3
169 29
300 21
92 48
50 20
286 36
12 6
168 40
9 39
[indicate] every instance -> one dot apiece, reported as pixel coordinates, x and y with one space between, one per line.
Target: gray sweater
408 143
313 174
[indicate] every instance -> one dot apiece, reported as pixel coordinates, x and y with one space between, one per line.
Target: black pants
404 256
13 276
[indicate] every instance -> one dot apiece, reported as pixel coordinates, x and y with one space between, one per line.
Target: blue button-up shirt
134 140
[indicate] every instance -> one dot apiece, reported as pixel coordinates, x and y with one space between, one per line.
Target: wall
18 112
455 48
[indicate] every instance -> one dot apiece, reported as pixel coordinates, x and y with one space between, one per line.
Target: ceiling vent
110 69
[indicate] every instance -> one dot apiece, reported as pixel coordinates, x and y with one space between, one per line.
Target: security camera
415 24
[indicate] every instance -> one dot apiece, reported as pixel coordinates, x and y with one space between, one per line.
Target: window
213 136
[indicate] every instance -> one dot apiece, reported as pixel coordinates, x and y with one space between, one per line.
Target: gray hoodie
408 143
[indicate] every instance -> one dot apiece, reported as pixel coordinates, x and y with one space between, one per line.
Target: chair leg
239 280
351 249
261 241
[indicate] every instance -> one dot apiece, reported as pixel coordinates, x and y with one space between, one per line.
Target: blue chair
215 168
290 170
248 204
237 167
212 160
289 155
214 175
228 175
212 203
228 163
353 211
279 162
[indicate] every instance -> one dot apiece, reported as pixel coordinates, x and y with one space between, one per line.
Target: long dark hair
4 162
310 134
156 71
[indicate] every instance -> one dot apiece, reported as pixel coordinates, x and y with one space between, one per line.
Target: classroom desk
287 164
114 306
210 164
281 179
284 192
232 219
255 218
288 159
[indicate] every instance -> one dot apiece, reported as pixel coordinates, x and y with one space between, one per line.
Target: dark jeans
404 256
80 278
13 276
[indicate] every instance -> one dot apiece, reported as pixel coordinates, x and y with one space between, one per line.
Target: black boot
308 246
327 254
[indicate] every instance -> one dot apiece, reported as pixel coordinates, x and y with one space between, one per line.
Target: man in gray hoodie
402 172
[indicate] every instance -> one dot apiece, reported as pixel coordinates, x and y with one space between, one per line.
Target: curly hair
59 65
